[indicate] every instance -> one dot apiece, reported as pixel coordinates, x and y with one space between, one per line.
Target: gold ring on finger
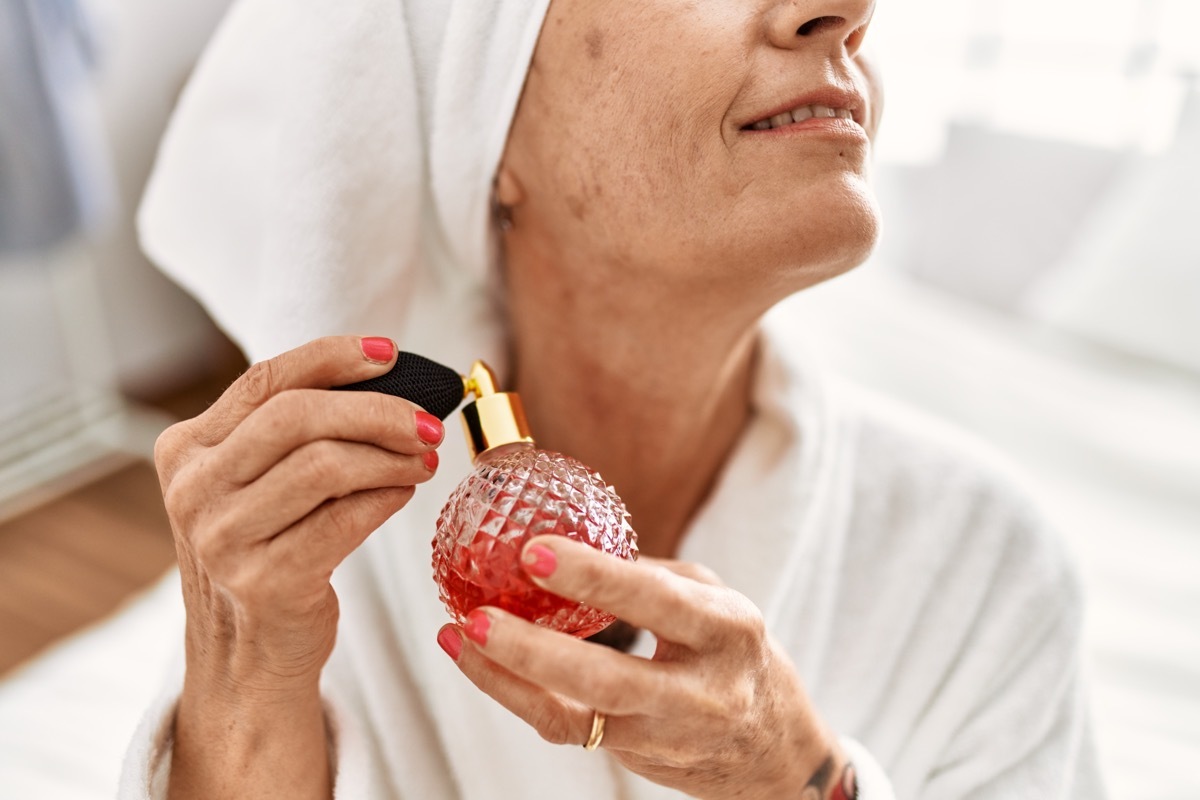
597 731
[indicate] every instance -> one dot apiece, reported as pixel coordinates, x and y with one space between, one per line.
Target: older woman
836 599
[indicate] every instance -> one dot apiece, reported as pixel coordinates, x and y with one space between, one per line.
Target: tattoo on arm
846 787
815 788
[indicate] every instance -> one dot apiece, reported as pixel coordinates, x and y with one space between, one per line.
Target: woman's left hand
718 712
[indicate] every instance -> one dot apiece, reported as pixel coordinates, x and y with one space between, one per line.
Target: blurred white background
1038 282
86 312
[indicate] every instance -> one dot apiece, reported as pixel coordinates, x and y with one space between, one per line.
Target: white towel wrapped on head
329 169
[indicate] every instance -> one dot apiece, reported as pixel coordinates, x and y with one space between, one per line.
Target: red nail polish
450 642
477 626
431 460
378 349
429 428
539 561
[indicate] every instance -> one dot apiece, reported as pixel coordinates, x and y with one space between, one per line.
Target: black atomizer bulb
434 387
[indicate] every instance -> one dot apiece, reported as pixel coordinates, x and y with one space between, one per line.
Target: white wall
157 334
157 331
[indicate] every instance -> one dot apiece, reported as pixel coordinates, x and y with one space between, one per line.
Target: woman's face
634 153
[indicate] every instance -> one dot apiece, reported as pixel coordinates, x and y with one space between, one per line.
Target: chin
836 237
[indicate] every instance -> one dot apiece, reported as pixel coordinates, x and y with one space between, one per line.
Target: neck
652 393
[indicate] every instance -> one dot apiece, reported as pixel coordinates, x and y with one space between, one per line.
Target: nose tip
797 24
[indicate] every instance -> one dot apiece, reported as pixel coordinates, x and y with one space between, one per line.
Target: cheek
649 165
626 124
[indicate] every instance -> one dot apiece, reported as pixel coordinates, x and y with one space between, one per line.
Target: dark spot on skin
744 745
595 44
576 206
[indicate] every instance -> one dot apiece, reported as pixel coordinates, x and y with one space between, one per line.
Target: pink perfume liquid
514 493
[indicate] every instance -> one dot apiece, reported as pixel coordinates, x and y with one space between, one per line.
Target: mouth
825 105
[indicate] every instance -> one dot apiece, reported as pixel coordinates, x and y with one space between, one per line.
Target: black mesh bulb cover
433 387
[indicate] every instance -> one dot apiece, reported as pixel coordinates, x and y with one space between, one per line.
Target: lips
800 115
825 104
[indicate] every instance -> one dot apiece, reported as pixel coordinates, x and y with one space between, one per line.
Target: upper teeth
800 114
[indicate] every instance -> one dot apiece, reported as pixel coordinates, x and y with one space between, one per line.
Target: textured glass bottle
516 492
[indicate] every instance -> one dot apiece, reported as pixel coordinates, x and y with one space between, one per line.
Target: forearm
246 747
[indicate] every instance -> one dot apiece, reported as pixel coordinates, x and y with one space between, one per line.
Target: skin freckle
576 206
595 44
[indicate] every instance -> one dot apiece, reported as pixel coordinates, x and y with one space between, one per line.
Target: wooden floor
74 560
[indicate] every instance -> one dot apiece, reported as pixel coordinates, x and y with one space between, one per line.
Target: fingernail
431 460
378 349
539 561
450 642
429 428
477 626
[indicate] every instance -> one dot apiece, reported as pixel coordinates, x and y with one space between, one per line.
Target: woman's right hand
267 492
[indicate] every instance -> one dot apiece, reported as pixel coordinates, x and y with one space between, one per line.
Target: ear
509 191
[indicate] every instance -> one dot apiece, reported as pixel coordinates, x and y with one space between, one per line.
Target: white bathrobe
933 618
328 171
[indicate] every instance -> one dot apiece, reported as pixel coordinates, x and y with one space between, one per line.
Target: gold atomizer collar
494 418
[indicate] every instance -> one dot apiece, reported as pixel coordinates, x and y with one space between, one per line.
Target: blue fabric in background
50 186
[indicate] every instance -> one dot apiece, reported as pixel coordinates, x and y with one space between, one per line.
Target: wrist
222 712
824 771
234 691
237 677
265 746
259 653
833 779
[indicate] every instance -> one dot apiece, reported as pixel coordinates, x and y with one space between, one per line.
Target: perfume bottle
515 492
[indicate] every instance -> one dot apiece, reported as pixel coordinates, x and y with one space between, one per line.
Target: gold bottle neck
494 419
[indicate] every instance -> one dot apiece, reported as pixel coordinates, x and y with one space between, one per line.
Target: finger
686 569
317 544
597 676
313 474
320 364
557 719
172 449
649 596
299 417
